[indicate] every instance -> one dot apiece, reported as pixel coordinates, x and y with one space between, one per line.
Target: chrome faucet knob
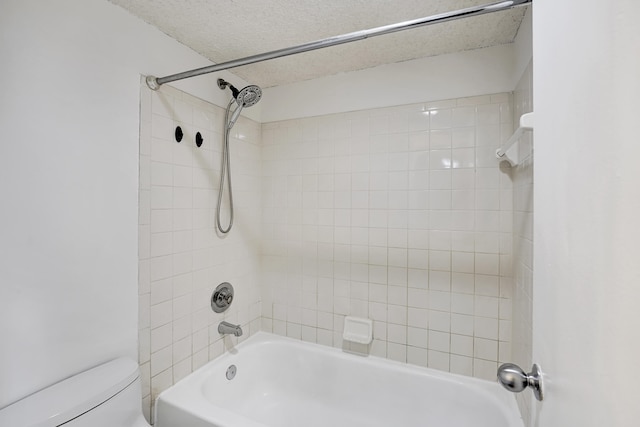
222 297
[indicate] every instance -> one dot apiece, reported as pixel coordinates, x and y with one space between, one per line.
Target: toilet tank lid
69 398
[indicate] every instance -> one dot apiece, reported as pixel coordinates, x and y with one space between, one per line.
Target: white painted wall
587 203
463 74
523 47
69 112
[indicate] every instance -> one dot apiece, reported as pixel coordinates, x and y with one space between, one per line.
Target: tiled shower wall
401 215
182 258
522 176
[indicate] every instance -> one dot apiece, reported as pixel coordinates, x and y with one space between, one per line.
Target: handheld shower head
246 97
249 96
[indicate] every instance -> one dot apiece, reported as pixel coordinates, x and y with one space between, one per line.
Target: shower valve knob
222 297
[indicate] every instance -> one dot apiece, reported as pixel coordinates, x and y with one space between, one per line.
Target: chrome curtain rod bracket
155 82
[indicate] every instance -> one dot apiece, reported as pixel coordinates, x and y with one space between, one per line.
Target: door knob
514 379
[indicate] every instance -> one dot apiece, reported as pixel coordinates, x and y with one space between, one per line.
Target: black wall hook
179 134
199 139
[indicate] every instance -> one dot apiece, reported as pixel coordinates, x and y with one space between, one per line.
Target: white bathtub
286 383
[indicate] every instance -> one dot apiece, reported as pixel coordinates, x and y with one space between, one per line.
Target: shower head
246 97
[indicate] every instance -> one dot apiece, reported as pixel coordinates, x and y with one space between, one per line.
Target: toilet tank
107 395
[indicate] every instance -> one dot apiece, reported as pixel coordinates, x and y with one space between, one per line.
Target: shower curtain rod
155 82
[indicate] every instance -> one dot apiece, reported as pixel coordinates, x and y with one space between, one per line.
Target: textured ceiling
223 30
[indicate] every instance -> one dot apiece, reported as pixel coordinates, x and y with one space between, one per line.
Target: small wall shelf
509 151
357 329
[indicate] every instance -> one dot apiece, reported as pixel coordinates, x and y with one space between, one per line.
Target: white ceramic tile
397 352
397 297
397 257
397 333
162 127
418 298
440 139
397 314
378 311
439 341
439 321
440 199
440 179
462 220
417 337
440 159
462 241
487 242
462 303
418 121
485 327
462 262
462 324
181 369
417 356
308 334
462 283
486 306
461 365
462 345
161 290
161 244
487 263
504 352
485 349
161 220
418 278
161 337
487 285
160 314
438 360
417 317
439 300
161 197
418 141
488 114
182 350
398 142
440 266
441 118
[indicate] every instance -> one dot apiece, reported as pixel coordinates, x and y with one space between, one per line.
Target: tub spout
228 328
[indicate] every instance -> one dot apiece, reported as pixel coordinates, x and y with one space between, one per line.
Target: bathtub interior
285 383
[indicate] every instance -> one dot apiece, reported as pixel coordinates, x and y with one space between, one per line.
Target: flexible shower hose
225 172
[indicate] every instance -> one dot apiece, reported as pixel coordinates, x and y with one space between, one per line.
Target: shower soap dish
357 329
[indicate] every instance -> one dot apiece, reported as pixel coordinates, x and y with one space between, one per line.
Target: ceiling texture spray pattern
223 30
